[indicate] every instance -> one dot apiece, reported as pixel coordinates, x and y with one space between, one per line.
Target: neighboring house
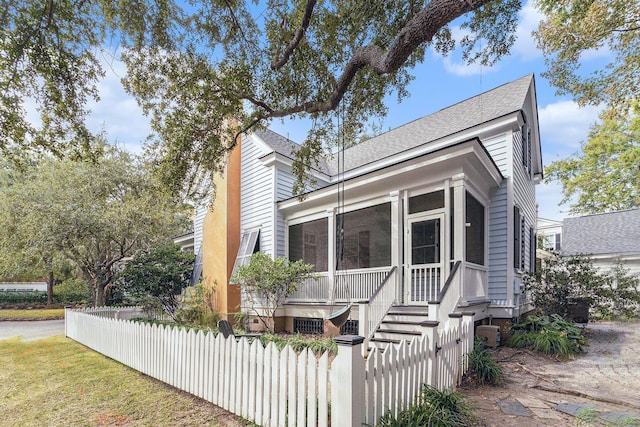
23 287
185 241
550 234
439 217
607 238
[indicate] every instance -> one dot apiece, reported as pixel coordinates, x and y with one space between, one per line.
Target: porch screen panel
426 202
309 242
367 237
474 230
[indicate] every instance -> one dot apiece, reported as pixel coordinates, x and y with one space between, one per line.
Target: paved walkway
31 330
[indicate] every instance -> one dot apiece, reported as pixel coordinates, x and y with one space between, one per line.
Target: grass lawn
58 382
33 314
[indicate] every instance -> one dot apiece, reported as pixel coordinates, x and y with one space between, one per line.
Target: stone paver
513 407
532 402
545 413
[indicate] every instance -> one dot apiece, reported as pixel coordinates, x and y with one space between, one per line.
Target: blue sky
439 82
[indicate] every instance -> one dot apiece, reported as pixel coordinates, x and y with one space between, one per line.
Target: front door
425 253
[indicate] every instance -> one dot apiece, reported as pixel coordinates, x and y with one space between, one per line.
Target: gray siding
524 192
498 246
497 146
256 194
284 188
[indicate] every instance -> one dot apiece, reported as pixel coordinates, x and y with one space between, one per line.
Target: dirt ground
607 378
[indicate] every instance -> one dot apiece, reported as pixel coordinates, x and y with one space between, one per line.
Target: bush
435 408
550 335
197 308
30 298
71 291
563 279
299 343
483 365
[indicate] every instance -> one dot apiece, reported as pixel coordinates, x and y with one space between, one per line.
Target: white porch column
331 260
459 226
396 240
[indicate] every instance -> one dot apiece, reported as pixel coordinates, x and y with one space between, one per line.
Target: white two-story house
434 217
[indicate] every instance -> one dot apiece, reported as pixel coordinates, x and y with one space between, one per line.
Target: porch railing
446 300
476 286
373 309
425 282
349 285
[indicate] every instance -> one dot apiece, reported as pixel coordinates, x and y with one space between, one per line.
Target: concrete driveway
31 330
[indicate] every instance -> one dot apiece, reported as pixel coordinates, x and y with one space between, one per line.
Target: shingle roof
284 146
493 104
608 233
474 111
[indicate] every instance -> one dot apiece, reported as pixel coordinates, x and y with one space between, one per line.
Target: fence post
430 331
348 382
363 323
66 319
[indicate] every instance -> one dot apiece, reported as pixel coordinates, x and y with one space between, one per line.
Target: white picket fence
273 387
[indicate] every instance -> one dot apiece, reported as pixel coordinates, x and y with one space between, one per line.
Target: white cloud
564 126
548 197
525 46
117 112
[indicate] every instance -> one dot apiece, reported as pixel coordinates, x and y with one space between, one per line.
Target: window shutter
524 136
248 244
532 250
516 237
523 233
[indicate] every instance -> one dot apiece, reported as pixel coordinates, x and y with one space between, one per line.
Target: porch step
408 313
396 334
401 325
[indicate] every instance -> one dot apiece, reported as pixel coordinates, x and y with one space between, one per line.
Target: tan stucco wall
221 237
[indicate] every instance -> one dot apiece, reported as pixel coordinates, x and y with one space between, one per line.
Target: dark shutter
516 237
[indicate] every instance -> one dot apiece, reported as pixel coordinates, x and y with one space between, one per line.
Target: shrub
299 343
483 365
71 291
197 308
268 281
435 408
11 298
550 335
561 279
161 273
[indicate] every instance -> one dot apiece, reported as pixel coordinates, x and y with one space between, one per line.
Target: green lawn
58 382
33 314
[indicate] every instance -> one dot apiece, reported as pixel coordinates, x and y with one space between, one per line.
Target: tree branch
278 63
420 29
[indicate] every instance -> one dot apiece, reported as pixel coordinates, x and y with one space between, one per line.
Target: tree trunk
98 289
50 280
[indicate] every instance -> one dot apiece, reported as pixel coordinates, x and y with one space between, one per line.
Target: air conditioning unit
489 334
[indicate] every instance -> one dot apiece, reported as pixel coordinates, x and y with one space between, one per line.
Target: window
367 237
426 202
249 244
474 230
309 242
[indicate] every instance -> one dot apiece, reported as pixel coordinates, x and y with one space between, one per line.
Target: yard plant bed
57 381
